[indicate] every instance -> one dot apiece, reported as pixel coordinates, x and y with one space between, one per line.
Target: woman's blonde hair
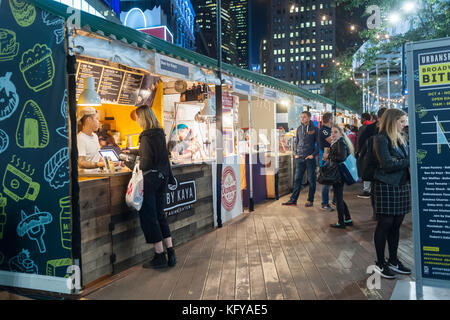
346 139
388 124
146 114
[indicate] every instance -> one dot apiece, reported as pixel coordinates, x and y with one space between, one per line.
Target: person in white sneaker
392 190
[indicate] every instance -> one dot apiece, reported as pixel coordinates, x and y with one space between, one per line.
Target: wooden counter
111 236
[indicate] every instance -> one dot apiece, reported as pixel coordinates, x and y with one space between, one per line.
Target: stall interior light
89 97
284 102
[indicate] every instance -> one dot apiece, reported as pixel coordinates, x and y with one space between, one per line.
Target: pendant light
89 97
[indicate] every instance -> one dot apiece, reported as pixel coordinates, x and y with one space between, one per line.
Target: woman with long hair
392 190
340 148
155 165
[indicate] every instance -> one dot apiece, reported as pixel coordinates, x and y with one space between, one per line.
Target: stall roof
142 40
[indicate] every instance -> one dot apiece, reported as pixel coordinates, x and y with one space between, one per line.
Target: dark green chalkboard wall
35 217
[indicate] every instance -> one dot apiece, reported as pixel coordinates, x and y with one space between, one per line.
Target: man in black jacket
306 150
365 133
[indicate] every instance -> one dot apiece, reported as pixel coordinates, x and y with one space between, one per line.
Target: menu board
86 70
110 85
130 88
113 85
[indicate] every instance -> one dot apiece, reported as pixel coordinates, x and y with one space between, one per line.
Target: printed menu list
110 85
113 85
86 70
130 88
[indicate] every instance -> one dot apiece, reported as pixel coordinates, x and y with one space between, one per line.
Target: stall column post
219 131
277 196
75 188
250 152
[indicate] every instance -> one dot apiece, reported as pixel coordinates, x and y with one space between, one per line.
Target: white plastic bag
135 190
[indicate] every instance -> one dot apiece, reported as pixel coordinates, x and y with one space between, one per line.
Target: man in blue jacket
306 150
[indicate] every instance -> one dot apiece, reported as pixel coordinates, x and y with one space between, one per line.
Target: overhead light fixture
409 6
89 97
394 18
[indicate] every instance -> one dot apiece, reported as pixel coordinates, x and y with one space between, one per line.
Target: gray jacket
307 140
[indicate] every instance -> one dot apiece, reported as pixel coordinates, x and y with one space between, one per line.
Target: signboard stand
429 118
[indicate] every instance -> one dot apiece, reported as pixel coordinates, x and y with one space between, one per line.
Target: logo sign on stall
173 68
229 188
180 197
298 101
242 87
270 94
429 117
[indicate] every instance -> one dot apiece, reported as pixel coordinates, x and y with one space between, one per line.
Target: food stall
111 239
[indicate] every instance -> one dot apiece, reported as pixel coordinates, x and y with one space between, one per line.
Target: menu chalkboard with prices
110 85
86 70
130 88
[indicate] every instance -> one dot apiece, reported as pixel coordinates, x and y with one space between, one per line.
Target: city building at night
108 9
240 15
302 42
206 36
172 20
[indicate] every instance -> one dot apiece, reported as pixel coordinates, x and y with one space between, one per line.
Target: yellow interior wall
123 122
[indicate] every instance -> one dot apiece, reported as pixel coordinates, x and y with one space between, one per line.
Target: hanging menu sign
113 85
429 116
130 88
110 85
86 70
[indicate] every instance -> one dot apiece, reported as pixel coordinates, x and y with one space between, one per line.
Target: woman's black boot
158 261
172 259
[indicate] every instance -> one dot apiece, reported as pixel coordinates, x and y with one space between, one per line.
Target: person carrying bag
157 173
341 148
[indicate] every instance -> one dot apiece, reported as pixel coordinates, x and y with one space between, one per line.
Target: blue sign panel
429 111
174 67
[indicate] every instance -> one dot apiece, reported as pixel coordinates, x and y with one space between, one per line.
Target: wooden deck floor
275 252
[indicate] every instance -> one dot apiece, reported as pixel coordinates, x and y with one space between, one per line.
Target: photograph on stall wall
35 203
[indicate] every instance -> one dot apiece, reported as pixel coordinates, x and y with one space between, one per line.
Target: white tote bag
135 190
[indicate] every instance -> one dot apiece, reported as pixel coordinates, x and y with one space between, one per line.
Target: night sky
260 25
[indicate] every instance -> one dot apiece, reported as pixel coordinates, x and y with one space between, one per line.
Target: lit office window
264 41
307 49
296 58
302 25
296 34
303 81
308 82
284 51
313 23
291 43
296 50
321 6
296 9
321 22
283 59
330 47
313 49
314 57
302 9
302 58
264 48
302 49
275 52
275 36
313 7
322 47
326 47
291 59
307 24
283 36
291 35
291 50
322 56
307 41
308 58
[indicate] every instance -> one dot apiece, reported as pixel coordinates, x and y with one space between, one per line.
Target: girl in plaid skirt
392 190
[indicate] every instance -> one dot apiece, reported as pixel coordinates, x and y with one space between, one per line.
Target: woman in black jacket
392 190
155 165
340 148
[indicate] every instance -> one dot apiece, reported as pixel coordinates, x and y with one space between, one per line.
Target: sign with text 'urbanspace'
429 116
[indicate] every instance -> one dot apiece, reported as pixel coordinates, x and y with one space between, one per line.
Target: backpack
366 162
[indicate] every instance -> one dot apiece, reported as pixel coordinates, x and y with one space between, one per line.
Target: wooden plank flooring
275 252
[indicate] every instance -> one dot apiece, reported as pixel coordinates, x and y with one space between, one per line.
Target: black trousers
388 228
341 206
153 219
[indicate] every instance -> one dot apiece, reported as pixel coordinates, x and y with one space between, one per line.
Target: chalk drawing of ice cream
56 170
22 263
34 226
51 20
63 131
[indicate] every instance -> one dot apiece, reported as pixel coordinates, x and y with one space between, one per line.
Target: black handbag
329 174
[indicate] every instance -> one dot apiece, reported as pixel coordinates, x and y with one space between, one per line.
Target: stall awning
139 39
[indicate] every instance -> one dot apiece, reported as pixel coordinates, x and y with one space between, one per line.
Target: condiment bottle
65 223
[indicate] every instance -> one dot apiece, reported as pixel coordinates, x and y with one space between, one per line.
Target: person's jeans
325 187
301 166
341 206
